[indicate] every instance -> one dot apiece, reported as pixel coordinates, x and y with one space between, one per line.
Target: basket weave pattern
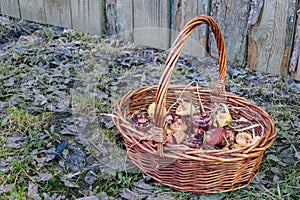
178 166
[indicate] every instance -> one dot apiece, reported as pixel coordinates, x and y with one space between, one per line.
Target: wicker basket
178 166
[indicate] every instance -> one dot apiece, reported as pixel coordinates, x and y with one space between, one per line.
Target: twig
32 179
225 107
199 98
248 127
268 191
179 98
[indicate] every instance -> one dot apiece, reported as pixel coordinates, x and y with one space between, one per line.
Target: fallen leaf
90 178
161 197
141 184
5 167
70 183
89 198
211 196
275 159
33 191
126 193
10 82
43 177
6 188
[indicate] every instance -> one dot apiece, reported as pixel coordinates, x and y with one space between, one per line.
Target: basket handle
175 52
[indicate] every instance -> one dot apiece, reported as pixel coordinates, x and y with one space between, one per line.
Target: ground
57 139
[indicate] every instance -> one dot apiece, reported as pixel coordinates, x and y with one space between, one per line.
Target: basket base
195 176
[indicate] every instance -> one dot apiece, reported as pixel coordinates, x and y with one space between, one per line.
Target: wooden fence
260 34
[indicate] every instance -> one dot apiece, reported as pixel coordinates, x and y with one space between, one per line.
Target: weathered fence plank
88 15
290 30
295 73
33 10
152 23
297 76
58 12
182 12
119 18
10 8
267 38
232 16
294 67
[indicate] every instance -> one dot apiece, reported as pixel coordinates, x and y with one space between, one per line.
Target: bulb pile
201 130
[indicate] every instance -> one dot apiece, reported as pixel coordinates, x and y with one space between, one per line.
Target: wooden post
119 19
58 12
182 12
33 10
10 8
232 17
152 23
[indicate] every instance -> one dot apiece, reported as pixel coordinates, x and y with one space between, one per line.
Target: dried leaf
43 177
141 184
10 82
6 188
161 197
276 159
179 136
5 167
33 191
70 175
89 198
277 171
90 178
15 141
211 196
129 194
287 156
70 183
